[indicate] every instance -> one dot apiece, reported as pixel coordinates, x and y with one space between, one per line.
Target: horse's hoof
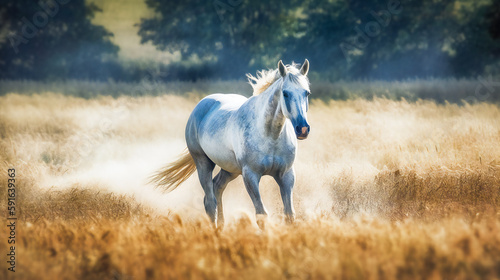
261 224
220 225
261 221
289 220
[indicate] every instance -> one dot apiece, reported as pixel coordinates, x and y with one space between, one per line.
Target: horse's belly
220 154
215 142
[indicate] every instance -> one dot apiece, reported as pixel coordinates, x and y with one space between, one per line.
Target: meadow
396 181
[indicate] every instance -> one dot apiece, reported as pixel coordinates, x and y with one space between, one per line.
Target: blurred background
399 179
126 40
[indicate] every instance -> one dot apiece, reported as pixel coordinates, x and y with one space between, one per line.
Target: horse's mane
266 78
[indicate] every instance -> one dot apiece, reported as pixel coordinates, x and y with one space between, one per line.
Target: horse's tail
172 175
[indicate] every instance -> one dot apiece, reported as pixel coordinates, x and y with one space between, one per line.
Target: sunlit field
390 187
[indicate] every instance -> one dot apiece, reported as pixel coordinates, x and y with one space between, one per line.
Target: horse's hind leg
205 167
220 182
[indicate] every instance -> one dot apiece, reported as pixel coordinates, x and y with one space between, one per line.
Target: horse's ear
305 68
282 68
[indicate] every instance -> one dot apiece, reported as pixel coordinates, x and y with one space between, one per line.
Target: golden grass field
385 190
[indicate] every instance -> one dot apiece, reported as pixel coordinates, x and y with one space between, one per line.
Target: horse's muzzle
302 132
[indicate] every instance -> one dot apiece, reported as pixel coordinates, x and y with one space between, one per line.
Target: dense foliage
54 39
223 39
382 39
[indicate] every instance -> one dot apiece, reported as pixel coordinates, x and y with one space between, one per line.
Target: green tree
322 26
425 38
54 39
233 35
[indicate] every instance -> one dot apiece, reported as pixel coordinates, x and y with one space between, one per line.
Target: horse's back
207 130
215 106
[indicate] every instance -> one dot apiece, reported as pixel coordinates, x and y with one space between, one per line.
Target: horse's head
294 97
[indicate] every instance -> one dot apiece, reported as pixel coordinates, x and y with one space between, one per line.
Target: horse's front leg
286 181
251 180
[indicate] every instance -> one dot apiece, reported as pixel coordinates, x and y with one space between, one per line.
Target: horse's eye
285 94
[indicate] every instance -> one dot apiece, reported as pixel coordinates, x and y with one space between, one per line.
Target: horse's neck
270 113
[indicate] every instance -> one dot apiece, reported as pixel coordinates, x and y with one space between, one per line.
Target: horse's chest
269 158
276 163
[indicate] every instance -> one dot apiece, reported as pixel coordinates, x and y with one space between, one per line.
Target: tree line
223 39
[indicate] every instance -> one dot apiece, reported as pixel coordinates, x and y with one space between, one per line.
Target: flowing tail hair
175 173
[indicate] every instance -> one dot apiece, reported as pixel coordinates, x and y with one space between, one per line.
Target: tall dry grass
385 190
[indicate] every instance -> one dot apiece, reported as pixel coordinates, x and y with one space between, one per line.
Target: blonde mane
266 78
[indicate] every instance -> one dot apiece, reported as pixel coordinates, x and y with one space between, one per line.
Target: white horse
253 137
